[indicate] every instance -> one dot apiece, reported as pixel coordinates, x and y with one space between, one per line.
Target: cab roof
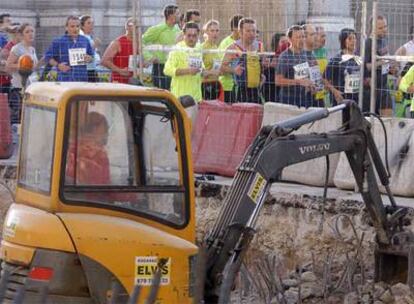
51 94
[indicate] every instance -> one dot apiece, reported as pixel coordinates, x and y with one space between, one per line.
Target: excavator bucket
394 263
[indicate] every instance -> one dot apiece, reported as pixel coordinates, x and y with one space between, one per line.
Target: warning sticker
145 268
257 188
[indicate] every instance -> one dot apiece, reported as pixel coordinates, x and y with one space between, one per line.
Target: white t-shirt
409 51
97 58
20 50
409 48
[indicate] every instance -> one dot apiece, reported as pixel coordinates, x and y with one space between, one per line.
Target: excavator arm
273 149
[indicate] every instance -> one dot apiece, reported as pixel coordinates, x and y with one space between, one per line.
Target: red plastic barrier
6 144
221 135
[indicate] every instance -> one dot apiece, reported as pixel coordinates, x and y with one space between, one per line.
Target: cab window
124 155
36 156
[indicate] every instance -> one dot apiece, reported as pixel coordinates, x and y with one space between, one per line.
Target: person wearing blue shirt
292 71
70 53
342 75
5 22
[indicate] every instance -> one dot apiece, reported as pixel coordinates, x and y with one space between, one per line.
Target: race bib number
301 70
316 77
195 62
131 66
385 68
216 64
147 70
77 56
352 82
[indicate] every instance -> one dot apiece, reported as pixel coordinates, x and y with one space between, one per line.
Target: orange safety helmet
25 63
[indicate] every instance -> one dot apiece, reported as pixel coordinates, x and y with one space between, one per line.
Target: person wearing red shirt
5 79
88 162
117 55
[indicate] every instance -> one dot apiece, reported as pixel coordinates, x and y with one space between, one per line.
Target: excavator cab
104 198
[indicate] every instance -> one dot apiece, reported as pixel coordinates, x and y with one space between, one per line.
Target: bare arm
282 81
225 65
61 66
285 82
108 58
335 92
11 63
401 51
3 59
186 71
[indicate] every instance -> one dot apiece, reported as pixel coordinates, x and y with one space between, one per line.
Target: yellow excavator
98 201
104 208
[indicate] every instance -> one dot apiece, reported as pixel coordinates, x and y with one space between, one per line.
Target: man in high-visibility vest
185 65
164 34
407 87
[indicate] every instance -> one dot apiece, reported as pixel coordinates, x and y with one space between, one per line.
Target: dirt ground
302 255
299 255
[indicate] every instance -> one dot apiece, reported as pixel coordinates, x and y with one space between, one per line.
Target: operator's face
248 32
101 134
73 27
191 37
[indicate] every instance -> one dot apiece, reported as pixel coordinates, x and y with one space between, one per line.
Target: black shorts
245 94
159 79
210 90
230 96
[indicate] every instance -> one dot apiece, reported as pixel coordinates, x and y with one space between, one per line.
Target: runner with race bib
70 53
210 86
244 63
293 72
342 75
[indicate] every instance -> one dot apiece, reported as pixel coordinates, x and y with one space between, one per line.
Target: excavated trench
304 252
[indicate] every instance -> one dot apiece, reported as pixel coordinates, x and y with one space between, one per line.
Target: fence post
134 39
374 57
363 40
141 54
